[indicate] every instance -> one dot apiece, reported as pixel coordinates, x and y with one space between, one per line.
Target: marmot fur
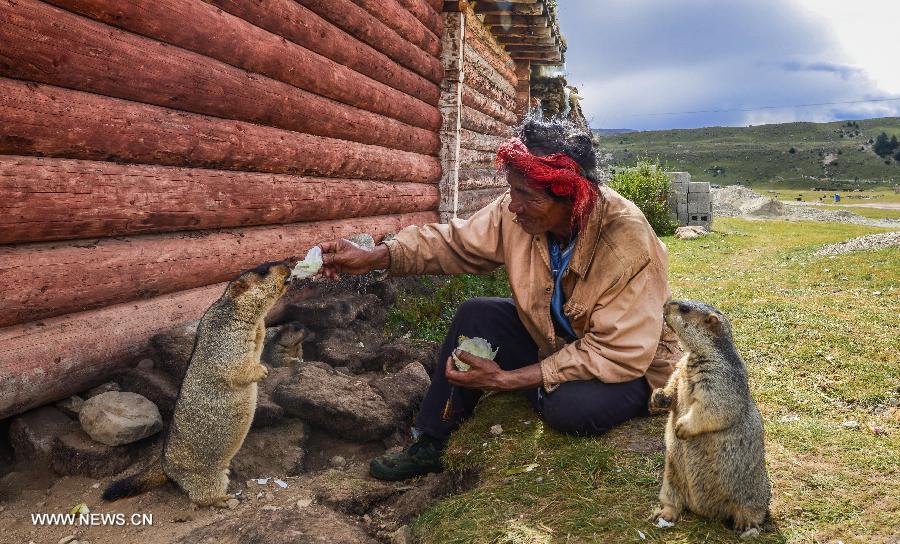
715 459
217 400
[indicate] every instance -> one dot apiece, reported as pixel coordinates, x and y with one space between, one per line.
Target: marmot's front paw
663 517
660 400
261 373
682 429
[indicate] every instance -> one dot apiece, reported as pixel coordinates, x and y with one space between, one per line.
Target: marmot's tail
145 480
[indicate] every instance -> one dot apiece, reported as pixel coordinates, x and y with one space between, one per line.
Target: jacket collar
588 238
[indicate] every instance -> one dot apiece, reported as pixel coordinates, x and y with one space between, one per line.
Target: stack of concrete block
690 201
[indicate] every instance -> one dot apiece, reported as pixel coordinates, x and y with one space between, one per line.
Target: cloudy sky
643 64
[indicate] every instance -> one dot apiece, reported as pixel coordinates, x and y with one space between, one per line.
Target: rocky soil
337 394
868 242
740 201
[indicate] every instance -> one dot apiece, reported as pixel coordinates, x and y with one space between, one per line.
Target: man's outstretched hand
344 257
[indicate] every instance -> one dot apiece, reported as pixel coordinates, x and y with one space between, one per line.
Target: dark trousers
586 408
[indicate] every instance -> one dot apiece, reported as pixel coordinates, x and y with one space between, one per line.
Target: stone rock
146 364
385 291
404 390
330 311
496 430
296 292
313 524
276 450
338 462
690 232
32 434
268 412
350 492
403 535
429 489
70 406
77 454
344 405
118 418
100 389
355 347
174 347
154 384
402 351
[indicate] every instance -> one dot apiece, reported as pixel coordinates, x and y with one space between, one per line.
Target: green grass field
821 340
762 154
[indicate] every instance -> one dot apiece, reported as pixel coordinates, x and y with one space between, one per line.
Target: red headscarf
557 172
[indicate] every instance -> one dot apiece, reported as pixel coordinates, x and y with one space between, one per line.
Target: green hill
761 155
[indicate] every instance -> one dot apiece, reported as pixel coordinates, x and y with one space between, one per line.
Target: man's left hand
482 374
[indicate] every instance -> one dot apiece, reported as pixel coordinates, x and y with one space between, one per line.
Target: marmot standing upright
217 400
715 459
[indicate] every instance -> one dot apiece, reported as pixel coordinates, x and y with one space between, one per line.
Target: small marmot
715 458
217 400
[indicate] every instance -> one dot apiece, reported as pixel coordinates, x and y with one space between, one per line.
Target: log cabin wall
487 114
149 151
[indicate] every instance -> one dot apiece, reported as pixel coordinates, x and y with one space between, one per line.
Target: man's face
537 212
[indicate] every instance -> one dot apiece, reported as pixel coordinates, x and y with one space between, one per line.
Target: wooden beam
204 29
53 46
48 360
515 20
540 58
39 281
523 89
44 199
487 48
476 199
428 16
522 31
363 26
518 40
513 49
300 25
482 123
49 121
508 8
476 100
452 59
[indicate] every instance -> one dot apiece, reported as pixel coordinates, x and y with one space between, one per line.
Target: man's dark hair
559 135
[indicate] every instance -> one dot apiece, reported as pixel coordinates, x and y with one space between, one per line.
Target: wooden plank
478 32
476 121
514 49
43 199
426 14
44 361
475 62
530 40
298 24
480 178
363 26
476 100
54 46
474 158
452 51
507 21
523 89
491 52
482 142
476 199
397 17
49 121
39 281
205 29
540 58
526 31
508 8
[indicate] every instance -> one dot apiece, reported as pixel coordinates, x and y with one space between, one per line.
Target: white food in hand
311 264
476 346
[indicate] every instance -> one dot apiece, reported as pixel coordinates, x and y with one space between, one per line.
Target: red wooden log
44 120
50 45
475 158
476 100
362 25
397 17
481 142
39 281
44 199
488 88
44 361
298 24
476 63
477 198
476 121
429 17
205 29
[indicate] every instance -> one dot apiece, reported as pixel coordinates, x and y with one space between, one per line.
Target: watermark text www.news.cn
92 520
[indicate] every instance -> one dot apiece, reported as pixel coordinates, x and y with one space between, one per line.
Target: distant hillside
611 131
762 154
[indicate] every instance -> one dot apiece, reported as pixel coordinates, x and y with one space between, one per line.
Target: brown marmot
217 400
715 459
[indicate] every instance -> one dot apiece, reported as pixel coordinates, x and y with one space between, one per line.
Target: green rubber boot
421 458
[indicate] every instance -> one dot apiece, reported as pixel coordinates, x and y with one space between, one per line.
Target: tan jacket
614 287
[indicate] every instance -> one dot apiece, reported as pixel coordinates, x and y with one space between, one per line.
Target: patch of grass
822 344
